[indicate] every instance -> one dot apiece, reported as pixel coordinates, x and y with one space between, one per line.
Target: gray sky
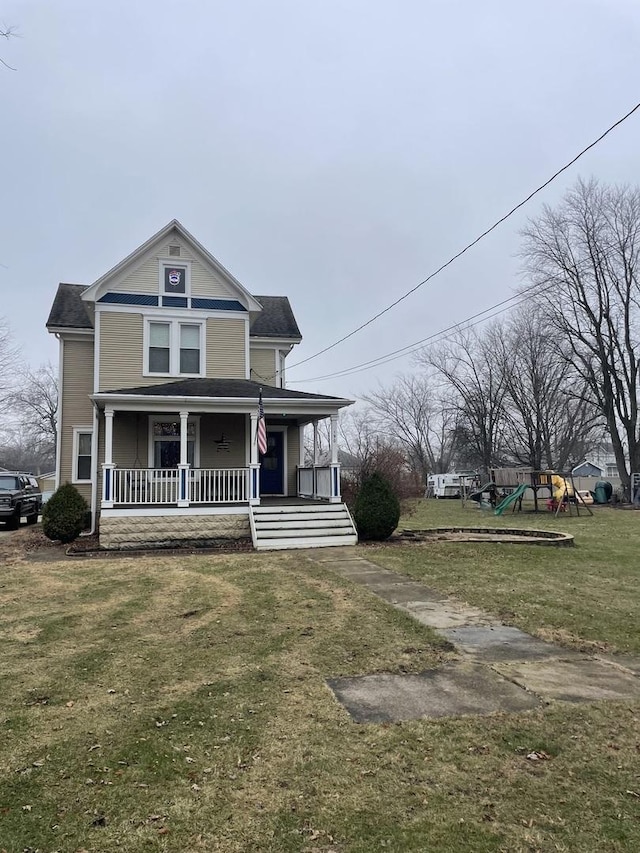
334 152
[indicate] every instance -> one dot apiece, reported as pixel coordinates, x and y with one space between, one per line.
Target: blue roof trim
174 301
217 304
129 299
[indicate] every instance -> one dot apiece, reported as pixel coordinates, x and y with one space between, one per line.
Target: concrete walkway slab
454 690
444 615
503 669
501 642
572 681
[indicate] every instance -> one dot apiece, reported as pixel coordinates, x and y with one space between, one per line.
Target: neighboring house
162 361
601 463
47 482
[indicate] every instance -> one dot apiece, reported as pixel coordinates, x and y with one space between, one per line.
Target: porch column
301 459
335 467
254 464
315 458
107 465
183 467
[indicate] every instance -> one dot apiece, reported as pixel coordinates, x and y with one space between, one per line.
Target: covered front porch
187 454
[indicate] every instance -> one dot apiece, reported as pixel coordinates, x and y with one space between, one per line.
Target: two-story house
163 362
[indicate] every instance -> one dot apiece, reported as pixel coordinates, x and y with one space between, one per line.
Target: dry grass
179 704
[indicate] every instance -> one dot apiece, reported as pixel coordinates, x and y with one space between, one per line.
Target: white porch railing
319 481
218 485
161 486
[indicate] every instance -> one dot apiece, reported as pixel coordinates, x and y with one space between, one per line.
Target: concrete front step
299 517
308 542
307 524
302 526
298 532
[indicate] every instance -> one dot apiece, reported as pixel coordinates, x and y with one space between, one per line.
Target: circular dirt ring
511 536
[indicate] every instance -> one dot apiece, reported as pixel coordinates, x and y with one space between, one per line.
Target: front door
272 468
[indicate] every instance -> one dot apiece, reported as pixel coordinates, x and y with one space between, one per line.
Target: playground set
508 486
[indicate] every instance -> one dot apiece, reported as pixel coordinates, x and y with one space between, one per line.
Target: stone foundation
162 531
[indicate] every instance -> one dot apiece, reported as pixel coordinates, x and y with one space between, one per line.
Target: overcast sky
335 152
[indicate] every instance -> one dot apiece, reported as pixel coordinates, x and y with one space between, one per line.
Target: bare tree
550 420
34 404
585 255
410 414
476 391
9 355
7 33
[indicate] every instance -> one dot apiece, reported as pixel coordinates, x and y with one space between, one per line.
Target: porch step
277 527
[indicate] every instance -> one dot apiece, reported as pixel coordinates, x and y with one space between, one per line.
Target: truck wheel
33 519
13 523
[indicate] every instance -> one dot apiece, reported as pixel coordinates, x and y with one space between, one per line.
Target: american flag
262 428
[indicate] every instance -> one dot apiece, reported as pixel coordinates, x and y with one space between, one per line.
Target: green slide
510 499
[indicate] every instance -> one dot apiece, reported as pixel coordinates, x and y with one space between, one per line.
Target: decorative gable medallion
175 279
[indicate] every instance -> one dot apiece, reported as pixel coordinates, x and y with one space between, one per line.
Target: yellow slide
560 488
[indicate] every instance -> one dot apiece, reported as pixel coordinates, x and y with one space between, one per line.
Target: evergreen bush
377 508
64 514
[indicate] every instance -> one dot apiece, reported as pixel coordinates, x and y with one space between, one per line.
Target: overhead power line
469 245
441 335
447 333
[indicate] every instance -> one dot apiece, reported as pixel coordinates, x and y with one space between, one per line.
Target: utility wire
443 334
469 245
398 353
436 337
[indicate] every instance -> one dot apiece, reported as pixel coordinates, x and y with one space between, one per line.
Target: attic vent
174 251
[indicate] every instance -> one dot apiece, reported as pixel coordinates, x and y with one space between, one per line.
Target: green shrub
64 514
377 509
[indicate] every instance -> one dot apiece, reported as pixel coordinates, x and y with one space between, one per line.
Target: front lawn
585 596
178 703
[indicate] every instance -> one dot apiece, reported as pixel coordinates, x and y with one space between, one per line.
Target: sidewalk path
501 668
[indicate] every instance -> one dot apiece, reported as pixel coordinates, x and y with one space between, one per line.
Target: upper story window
174 348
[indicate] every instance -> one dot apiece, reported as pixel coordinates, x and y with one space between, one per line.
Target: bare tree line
545 385
28 409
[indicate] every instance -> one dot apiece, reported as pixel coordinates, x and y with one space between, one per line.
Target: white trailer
443 486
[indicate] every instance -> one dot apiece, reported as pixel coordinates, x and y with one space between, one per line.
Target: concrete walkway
500 669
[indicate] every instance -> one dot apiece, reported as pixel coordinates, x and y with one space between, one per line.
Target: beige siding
212 428
226 348
293 458
205 282
77 410
143 279
263 365
121 351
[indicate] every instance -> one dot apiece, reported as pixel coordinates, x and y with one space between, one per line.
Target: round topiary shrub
64 514
377 509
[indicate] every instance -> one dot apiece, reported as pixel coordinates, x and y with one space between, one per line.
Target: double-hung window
82 437
174 348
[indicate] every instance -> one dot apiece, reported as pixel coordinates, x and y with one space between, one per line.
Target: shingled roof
68 310
276 320
240 388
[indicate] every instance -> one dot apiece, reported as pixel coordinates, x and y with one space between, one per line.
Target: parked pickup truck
19 496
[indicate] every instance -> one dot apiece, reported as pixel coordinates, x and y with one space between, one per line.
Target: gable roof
70 311
276 319
92 291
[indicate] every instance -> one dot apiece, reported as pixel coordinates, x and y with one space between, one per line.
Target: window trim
171 416
163 263
77 432
174 324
